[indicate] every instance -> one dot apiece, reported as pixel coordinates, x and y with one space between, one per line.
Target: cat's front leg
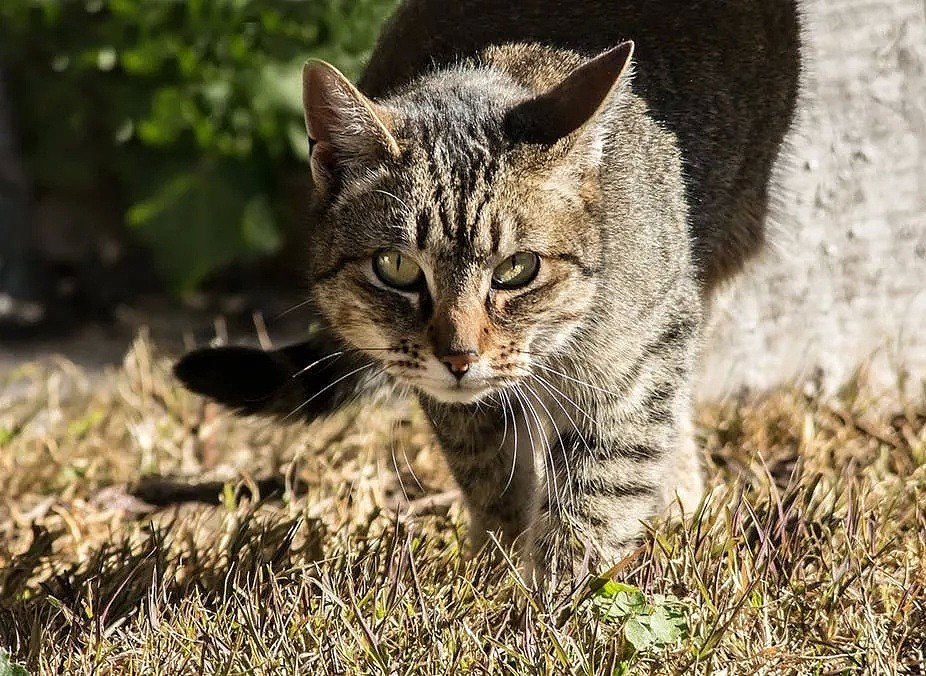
601 489
489 454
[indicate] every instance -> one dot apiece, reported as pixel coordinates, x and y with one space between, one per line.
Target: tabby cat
520 214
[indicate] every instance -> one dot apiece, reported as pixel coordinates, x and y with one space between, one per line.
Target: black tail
307 379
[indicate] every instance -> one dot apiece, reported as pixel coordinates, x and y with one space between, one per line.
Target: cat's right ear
346 128
572 104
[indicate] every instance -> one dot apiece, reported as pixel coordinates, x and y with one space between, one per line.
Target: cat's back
672 36
723 75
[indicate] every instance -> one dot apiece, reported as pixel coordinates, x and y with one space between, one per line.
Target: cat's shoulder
536 65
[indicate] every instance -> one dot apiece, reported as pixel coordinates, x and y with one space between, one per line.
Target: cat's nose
458 363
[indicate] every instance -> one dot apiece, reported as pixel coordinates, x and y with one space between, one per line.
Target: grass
810 556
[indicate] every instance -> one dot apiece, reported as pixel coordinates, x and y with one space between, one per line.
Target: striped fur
572 424
566 431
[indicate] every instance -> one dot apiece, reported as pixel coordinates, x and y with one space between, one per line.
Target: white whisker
395 464
562 446
514 426
544 447
290 309
326 388
577 381
317 362
551 389
575 426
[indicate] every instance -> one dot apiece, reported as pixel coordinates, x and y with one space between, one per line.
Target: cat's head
455 238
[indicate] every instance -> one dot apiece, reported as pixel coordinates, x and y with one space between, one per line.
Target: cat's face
457 258
455 293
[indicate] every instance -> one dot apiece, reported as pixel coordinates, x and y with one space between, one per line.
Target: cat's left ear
573 103
346 128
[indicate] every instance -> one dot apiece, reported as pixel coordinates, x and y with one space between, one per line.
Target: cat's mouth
480 381
461 393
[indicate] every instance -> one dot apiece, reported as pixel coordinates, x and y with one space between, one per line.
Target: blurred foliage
186 111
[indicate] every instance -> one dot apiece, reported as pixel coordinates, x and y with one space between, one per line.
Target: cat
520 213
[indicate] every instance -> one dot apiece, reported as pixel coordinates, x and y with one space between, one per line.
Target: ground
318 556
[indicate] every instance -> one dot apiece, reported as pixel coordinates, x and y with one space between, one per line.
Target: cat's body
526 237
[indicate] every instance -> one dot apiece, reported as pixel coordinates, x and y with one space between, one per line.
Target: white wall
845 278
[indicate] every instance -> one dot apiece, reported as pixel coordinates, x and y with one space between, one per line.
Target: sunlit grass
316 556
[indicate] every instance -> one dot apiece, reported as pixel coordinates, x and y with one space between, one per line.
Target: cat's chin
456 395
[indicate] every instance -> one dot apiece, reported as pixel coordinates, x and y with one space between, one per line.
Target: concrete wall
844 281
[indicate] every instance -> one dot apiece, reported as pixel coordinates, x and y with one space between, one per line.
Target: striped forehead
457 168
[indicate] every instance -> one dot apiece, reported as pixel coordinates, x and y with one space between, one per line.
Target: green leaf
615 601
664 628
8 668
639 636
647 624
612 588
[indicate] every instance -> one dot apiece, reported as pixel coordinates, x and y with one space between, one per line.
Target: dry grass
810 556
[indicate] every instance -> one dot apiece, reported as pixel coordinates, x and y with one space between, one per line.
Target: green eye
516 271
397 270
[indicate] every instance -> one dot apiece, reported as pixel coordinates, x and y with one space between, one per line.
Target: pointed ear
345 127
571 104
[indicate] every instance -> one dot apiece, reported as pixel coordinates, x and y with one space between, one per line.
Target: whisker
568 417
547 455
295 307
339 353
408 463
504 420
514 452
551 388
360 389
577 381
395 463
315 363
527 426
326 388
562 446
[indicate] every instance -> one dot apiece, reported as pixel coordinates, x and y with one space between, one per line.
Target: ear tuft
571 104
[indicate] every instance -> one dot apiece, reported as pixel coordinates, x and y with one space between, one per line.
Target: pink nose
458 362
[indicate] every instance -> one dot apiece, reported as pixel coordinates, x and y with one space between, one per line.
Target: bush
186 110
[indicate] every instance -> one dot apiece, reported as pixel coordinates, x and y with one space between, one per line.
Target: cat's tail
301 381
